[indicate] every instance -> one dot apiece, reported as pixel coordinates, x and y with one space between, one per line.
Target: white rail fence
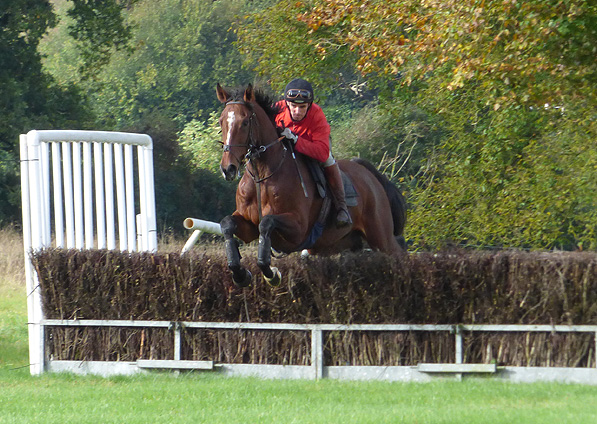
317 369
72 182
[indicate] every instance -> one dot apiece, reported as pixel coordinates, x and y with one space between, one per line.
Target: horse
277 200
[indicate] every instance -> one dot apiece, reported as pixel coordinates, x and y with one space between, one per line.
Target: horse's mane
263 99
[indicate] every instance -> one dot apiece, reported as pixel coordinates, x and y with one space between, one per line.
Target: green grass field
204 398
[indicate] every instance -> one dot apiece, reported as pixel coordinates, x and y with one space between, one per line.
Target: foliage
514 177
199 140
395 136
182 50
506 89
98 27
534 51
291 53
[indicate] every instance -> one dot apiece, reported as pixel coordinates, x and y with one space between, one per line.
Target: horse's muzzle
230 172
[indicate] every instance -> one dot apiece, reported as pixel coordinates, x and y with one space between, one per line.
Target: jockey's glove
289 135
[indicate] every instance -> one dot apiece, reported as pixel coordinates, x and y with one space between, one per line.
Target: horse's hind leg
380 237
241 276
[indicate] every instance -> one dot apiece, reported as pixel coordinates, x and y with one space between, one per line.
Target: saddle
350 193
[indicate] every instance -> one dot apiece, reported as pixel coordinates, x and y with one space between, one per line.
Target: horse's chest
276 196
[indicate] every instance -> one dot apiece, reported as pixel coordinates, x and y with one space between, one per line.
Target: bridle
254 150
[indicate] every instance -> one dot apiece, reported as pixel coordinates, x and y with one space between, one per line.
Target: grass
205 398
210 399
13 302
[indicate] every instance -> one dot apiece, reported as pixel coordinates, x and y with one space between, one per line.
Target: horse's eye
245 122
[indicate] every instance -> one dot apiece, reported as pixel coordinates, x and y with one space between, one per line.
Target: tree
30 98
182 49
531 52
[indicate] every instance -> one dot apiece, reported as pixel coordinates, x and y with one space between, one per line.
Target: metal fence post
458 359
317 353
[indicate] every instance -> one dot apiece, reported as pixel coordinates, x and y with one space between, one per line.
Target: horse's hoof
305 254
276 278
244 280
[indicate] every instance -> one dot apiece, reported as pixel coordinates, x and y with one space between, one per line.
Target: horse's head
237 124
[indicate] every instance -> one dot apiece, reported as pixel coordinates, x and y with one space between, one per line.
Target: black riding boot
332 174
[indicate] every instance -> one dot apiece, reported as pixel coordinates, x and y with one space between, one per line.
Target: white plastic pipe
152 231
120 197
109 187
32 240
78 196
58 208
34 191
199 224
130 198
147 196
141 218
88 194
45 193
91 136
100 202
69 212
191 241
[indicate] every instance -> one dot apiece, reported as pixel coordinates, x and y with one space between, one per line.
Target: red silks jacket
313 131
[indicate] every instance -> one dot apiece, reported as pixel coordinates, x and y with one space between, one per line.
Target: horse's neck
269 160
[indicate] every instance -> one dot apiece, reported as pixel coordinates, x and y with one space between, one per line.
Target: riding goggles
298 94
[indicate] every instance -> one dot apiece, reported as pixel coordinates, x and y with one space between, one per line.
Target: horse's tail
397 201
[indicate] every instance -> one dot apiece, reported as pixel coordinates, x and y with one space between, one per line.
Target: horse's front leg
241 276
264 253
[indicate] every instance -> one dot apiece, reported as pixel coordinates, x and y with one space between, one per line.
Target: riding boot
332 174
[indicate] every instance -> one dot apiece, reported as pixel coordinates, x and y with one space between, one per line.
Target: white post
152 233
458 341
88 195
68 195
100 205
109 186
78 196
58 208
130 198
120 197
45 193
32 239
317 353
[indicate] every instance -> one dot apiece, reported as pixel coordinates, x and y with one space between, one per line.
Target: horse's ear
249 94
223 96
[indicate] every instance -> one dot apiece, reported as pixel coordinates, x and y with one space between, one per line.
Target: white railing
317 369
68 201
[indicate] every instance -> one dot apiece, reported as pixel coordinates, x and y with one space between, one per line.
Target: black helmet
298 91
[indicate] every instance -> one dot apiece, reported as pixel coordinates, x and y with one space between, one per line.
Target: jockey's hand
289 135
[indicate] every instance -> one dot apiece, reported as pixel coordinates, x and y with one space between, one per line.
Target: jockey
305 124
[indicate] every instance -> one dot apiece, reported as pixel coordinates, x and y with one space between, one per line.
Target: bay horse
277 200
